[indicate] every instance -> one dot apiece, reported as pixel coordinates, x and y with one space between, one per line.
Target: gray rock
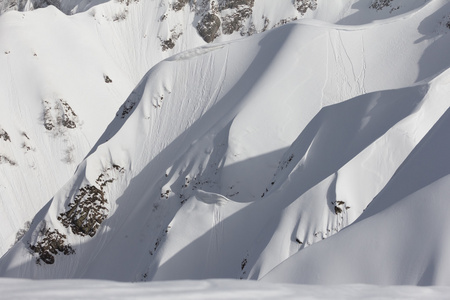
208 27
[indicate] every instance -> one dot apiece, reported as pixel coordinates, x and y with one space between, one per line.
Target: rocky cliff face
225 17
213 18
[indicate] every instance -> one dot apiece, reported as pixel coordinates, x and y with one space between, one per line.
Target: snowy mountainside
229 158
54 88
64 77
78 69
407 223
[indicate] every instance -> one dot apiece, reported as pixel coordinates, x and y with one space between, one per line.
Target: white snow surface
311 153
207 289
49 58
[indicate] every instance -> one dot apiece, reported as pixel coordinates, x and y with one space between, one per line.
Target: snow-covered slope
401 238
229 158
56 103
63 79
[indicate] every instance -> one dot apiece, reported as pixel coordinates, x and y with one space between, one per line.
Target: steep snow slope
63 79
229 158
56 104
401 238
50 109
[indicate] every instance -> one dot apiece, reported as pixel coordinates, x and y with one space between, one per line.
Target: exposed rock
4 135
170 42
243 264
230 4
48 123
60 114
208 27
88 210
167 44
303 5
107 79
337 210
235 21
225 16
179 4
120 16
69 117
5 159
126 108
51 243
128 2
380 4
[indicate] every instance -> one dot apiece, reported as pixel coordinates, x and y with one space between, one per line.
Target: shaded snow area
209 289
278 142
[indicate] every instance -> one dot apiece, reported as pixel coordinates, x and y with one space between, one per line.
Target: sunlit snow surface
208 289
240 159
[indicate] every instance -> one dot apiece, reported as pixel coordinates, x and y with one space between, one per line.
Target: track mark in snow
327 67
350 77
195 52
220 83
217 229
12 91
364 67
342 44
340 74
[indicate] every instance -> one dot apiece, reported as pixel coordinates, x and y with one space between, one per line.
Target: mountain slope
407 222
63 79
227 159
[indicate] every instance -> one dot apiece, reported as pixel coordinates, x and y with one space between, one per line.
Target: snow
57 56
207 289
310 153
409 212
